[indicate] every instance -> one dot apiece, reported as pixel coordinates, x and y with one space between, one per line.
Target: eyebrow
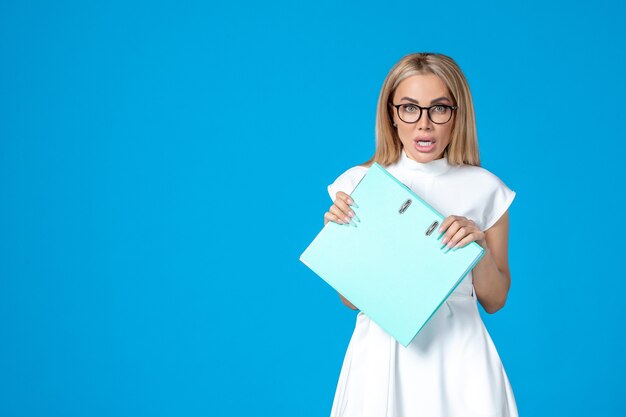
433 101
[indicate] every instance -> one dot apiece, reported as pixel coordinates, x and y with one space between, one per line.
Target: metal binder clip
405 206
432 227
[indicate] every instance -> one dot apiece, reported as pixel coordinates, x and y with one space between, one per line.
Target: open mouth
424 145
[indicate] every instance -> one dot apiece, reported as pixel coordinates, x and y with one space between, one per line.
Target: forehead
422 87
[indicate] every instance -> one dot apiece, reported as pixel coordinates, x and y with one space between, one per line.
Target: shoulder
347 181
477 177
356 173
487 191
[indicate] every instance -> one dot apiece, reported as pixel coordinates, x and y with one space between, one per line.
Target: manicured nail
347 219
445 240
350 201
351 213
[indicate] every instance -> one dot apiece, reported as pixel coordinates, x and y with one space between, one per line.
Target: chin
426 156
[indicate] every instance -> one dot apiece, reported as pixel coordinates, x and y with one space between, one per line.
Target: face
424 90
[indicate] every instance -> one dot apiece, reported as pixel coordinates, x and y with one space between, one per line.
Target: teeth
424 143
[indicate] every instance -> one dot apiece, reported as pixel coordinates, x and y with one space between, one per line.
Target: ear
392 115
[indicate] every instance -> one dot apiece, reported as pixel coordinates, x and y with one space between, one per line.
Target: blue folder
391 265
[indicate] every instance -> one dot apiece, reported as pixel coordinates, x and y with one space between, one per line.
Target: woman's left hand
459 231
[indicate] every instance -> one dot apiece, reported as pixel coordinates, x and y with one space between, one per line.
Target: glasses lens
440 114
409 113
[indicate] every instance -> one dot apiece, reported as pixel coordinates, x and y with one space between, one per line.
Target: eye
439 109
409 108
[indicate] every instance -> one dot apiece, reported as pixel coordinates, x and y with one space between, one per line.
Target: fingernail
347 219
445 240
351 213
350 201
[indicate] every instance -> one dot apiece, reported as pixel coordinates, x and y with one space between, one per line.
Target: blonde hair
463 146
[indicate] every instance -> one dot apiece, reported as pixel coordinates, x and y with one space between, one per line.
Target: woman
426 137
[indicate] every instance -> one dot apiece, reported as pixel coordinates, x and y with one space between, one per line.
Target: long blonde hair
463 147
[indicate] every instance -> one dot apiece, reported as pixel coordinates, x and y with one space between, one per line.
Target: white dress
451 368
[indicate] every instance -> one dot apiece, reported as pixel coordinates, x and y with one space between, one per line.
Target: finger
452 230
334 209
345 209
457 223
472 237
328 216
446 223
341 215
346 198
458 236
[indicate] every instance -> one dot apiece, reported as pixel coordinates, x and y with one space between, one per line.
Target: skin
491 275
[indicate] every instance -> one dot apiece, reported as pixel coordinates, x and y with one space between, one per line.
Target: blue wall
136 276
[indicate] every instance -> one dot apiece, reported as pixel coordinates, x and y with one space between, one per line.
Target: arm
347 303
492 277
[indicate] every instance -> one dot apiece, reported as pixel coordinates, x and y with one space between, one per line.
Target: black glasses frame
397 106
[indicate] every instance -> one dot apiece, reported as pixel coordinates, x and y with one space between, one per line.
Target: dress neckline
432 168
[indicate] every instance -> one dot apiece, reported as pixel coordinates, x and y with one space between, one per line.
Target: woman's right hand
340 211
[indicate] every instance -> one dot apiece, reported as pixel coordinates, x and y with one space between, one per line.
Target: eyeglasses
437 113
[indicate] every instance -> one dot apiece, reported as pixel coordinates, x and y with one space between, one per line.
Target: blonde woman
426 137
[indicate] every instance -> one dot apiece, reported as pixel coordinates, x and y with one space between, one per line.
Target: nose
424 122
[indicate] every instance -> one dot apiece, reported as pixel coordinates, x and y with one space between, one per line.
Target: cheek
405 132
447 133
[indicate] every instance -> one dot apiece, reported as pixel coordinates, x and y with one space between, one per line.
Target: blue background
137 278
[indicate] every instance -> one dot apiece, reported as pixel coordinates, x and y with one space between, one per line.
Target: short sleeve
498 201
347 181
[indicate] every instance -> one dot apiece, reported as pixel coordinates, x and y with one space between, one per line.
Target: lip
425 138
427 148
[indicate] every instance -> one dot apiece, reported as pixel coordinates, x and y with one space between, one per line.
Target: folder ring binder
399 286
432 227
405 206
